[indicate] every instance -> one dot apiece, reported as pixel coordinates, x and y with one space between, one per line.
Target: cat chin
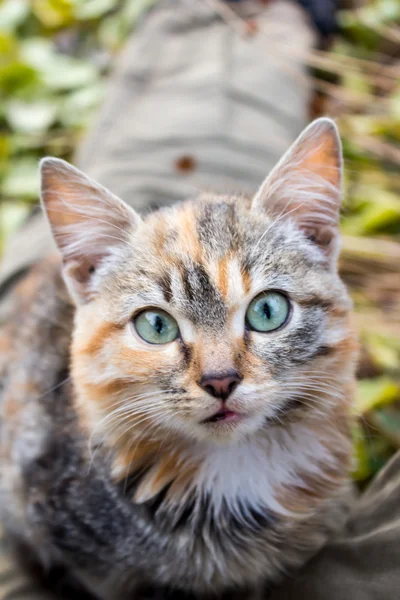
225 432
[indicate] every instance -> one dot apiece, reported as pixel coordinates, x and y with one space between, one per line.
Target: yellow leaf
54 13
372 393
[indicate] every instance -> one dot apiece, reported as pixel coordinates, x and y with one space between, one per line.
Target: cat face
212 320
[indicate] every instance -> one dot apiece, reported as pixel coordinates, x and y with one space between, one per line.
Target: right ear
87 221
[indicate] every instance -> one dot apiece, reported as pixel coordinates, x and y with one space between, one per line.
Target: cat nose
220 385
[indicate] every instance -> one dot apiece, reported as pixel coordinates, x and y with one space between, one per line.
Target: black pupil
158 324
267 310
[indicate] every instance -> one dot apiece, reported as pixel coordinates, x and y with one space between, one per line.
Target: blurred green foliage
54 55
360 78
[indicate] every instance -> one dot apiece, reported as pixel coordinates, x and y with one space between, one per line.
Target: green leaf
8 48
372 393
58 71
93 9
361 469
132 11
372 216
12 14
78 107
360 32
53 13
387 422
12 215
112 32
370 452
356 82
36 51
389 10
394 106
4 148
16 77
31 117
383 351
22 180
379 450
115 29
68 73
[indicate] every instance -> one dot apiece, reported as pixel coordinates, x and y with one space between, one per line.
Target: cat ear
87 221
306 186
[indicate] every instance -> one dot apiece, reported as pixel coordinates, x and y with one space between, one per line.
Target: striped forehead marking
206 296
201 265
217 228
200 298
208 269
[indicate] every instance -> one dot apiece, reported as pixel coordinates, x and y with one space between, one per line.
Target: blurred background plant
54 56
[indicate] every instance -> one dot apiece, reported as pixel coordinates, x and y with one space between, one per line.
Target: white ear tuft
306 186
87 221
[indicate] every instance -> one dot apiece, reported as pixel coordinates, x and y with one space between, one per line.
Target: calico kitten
183 423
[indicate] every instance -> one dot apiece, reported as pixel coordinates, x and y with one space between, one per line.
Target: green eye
156 327
267 312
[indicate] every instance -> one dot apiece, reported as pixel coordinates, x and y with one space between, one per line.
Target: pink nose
220 385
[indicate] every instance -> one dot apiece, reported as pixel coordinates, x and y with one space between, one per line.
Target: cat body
159 428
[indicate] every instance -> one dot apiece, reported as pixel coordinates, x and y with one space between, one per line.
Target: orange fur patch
223 281
163 468
323 161
161 474
189 239
246 278
97 341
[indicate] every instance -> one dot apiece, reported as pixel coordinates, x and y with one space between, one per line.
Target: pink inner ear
322 237
322 160
78 274
306 184
88 222
82 270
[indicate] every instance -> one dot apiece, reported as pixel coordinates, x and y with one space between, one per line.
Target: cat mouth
224 415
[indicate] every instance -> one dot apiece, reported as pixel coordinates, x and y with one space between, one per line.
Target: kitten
183 422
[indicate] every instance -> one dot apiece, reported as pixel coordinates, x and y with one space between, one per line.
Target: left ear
306 186
89 224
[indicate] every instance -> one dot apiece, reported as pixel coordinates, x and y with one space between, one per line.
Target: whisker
53 388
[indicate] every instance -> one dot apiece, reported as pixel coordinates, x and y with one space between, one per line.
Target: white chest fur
253 473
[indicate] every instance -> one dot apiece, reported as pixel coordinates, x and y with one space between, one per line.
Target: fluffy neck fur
284 470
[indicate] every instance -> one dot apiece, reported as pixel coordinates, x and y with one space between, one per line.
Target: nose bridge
217 373
216 356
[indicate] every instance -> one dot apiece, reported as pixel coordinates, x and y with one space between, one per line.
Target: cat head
213 319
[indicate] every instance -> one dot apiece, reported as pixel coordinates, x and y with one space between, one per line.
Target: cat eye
156 326
267 312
